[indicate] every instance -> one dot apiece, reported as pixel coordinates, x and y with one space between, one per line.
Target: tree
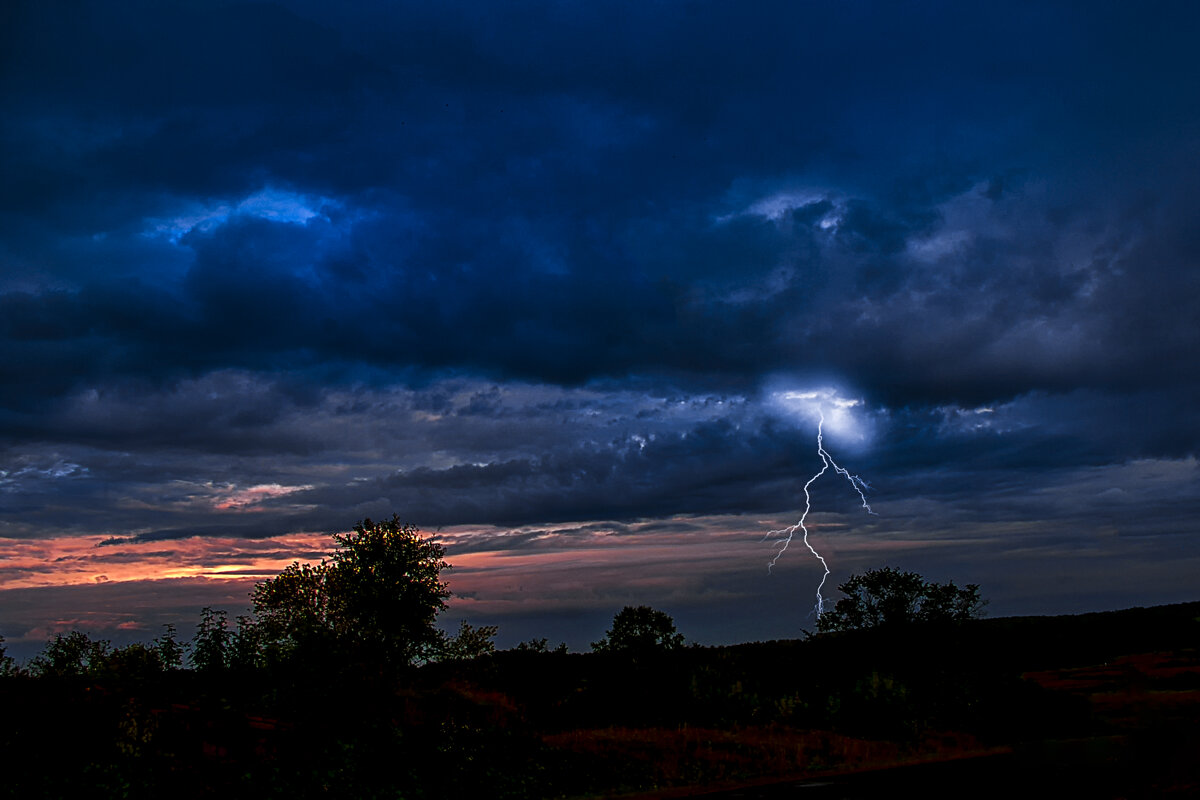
639 630
134 661
8 666
470 642
246 645
71 655
890 597
170 651
211 644
374 601
540 646
75 654
292 615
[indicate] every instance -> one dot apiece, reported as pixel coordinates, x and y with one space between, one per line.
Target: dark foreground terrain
1099 705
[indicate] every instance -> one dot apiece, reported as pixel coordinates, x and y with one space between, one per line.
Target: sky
570 285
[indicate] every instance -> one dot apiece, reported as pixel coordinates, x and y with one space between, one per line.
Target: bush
640 629
890 597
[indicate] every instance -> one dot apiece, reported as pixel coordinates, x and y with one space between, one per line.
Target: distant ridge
1023 642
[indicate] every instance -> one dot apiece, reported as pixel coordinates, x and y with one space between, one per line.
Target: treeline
372 606
215 647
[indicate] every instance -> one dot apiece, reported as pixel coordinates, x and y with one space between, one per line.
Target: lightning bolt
787 534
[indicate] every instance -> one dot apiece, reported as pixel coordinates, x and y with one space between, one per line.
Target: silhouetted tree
170 651
71 655
888 596
292 613
8 666
640 629
75 654
375 600
246 645
540 646
133 661
469 642
211 644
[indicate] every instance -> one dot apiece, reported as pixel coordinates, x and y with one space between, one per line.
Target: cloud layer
269 268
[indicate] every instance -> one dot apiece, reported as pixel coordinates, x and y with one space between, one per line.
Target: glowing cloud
841 416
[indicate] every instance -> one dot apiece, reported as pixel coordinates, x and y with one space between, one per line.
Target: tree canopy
7 665
375 600
888 596
72 654
640 629
470 642
76 654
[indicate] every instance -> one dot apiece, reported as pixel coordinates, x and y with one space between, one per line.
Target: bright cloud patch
775 207
843 416
11 479
248 497
275 205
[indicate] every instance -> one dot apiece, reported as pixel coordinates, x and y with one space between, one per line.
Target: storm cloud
270 268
